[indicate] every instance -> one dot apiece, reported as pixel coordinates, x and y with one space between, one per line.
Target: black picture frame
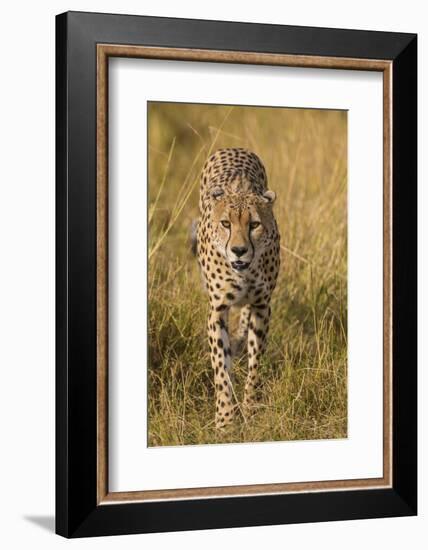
77 511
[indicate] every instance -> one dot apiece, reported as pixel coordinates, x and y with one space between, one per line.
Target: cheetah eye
253 225
225 224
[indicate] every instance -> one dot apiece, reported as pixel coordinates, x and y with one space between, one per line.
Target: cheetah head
242 226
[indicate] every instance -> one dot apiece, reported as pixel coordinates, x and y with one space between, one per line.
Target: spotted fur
238 252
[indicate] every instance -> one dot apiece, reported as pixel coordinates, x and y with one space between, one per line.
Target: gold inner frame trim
104 51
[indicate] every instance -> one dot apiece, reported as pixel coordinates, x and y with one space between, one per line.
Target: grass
304 371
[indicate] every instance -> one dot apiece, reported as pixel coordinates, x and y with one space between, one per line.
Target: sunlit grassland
304 371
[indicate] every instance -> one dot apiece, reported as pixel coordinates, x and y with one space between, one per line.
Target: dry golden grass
304 371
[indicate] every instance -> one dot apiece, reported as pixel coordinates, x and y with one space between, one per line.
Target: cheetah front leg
257 332
240 340
221 363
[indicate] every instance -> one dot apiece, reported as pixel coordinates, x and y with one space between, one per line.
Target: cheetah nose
239 250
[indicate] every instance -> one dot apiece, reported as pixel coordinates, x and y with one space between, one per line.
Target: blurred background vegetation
304 372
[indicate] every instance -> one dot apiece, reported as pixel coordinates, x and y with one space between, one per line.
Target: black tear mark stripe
251 241
228 239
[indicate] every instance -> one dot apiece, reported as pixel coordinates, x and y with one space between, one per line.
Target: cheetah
237 245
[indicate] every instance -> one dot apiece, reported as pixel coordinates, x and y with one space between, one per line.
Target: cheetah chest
227 288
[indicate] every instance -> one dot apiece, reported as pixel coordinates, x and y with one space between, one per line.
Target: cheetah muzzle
237 243
239 265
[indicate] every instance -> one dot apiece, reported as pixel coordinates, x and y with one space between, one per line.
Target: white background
27 274
132 82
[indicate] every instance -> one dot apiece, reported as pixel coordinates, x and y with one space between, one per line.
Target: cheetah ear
217 192
269 196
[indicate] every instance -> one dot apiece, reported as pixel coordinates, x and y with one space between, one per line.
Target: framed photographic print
236 274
